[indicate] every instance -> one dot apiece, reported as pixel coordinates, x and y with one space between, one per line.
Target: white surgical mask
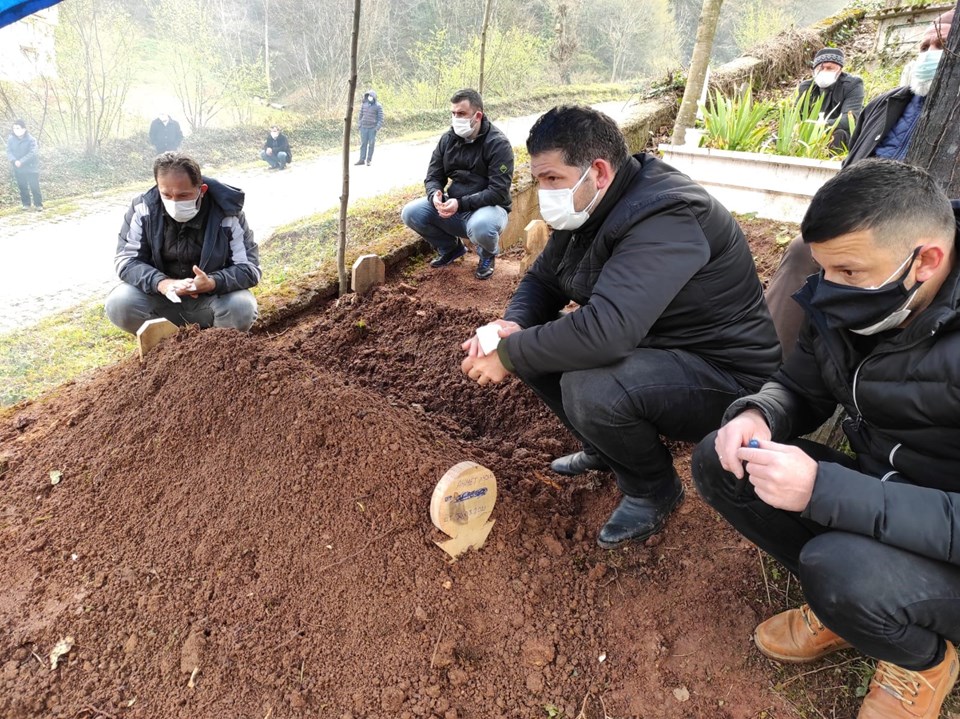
19 131
462 126
825 79
274 135
184 210
557 208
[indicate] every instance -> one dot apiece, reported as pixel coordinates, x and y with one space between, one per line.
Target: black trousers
620 411
889 603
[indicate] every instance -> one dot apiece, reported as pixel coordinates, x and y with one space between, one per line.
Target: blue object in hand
754 444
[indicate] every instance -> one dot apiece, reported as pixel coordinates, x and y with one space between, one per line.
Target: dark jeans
795 266
28 181
889 603
278 161
368 140
620 411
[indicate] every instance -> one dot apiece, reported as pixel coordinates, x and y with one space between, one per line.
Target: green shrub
801 132
736 123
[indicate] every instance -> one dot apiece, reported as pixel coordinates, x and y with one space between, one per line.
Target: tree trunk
266 47
347 122
709 18
488 7
936 140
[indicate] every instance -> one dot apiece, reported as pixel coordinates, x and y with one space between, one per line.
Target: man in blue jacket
670 326
185 253
873 538
25 163
370 120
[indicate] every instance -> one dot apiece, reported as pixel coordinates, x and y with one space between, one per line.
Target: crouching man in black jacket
671 325
875 539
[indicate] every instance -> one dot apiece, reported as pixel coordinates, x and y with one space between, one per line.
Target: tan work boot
796 636
898 693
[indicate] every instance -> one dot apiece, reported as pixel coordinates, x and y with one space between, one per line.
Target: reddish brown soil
257 507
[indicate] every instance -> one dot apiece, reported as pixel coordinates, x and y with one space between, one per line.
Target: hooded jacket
370 114
229 254
659 264
479 171
23 149
904 426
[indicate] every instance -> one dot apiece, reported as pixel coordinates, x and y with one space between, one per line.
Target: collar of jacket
625 174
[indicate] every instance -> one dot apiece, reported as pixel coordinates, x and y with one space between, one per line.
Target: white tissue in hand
173 296
489 337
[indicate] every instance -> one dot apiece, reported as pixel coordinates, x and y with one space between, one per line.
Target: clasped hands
782 475
194 286
483 368
445 209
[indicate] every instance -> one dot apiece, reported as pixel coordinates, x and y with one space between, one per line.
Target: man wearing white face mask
885 129
468 188
671 324
185 253
842 92
874 539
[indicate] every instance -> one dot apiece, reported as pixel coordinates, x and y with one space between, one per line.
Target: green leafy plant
736 123
801 131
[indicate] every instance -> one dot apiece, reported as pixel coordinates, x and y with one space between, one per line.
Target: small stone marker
461 505
368 272
152 333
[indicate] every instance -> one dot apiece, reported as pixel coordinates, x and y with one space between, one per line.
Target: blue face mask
926 65
866 310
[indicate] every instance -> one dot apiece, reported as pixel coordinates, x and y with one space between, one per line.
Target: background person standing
25 162
165 134
370 120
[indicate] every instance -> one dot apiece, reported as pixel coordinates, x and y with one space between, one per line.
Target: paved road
53 262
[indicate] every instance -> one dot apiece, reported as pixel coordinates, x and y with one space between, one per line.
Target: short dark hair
168 162
470 95
895 201
20 123
582 135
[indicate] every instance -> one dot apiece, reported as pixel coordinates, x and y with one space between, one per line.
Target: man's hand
269 150
202 282
736 434
782 475
437 200
484 369
472 345
449 208
16 163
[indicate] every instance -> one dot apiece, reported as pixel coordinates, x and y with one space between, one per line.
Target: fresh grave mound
251 513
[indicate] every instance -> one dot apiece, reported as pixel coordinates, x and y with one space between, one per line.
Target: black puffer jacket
903 399
479 172
659 264
875 122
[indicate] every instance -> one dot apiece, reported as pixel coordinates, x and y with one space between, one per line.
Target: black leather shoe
448 257
577 463
637 518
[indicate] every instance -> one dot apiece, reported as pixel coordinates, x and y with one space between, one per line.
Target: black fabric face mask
863 310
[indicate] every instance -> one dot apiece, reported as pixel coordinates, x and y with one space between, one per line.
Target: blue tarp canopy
13 10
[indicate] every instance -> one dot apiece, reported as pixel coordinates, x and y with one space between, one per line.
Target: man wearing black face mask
874 539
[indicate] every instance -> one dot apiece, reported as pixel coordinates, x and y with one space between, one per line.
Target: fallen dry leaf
59 649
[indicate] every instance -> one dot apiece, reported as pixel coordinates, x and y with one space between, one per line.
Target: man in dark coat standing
670 326
873 538
369 120
25 163
165 134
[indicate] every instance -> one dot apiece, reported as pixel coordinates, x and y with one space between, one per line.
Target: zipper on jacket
859 420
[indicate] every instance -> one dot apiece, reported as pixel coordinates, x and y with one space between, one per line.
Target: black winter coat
479 172
875 122
903 402
845 95
279 144
659 264
165 137
229 254
23 149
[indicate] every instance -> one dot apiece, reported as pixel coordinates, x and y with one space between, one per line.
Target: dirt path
54 262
